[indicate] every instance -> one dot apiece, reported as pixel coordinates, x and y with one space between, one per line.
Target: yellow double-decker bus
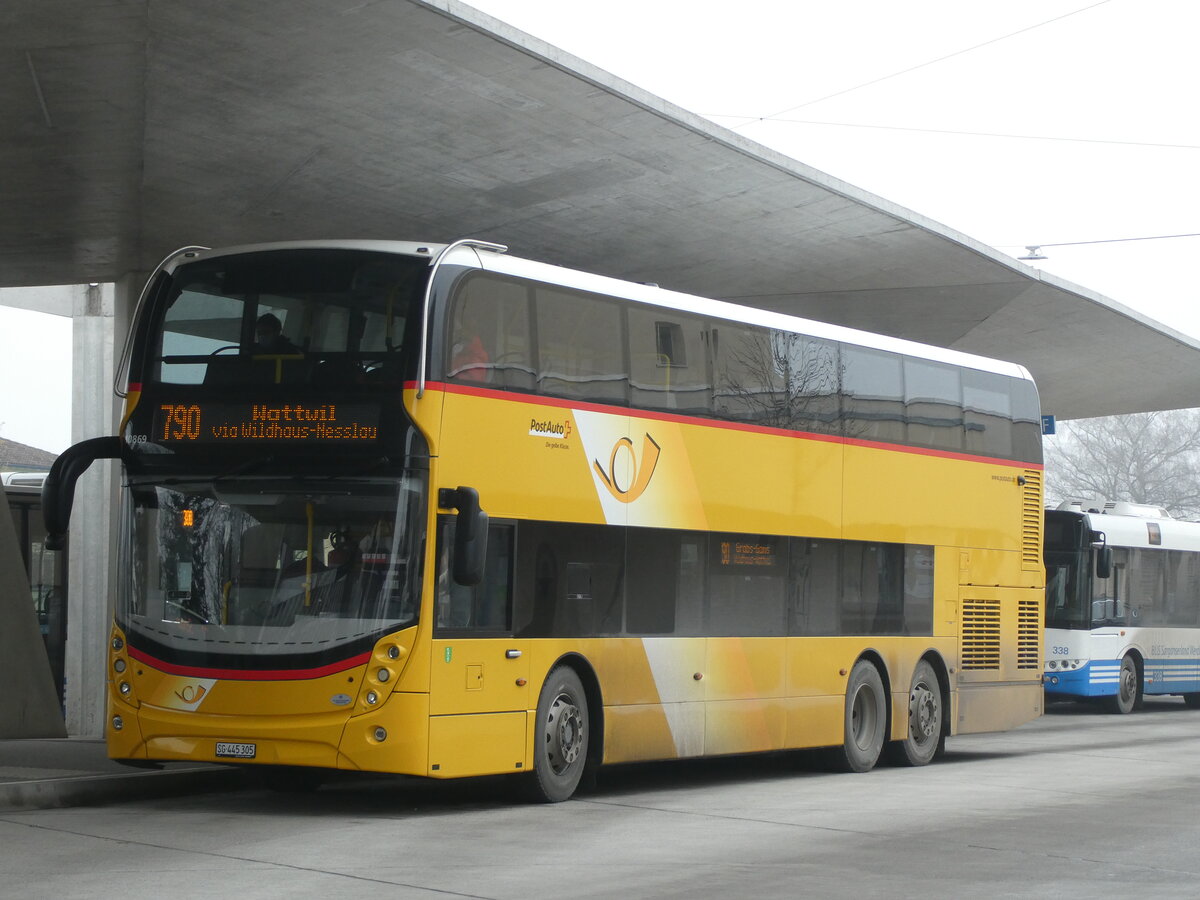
440 511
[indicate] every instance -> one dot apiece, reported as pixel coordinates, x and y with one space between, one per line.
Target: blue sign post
1048 426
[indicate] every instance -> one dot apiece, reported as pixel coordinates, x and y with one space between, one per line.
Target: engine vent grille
1031 522
1029 633
980 635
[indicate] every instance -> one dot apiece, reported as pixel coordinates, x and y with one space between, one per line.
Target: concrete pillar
93 517
101 320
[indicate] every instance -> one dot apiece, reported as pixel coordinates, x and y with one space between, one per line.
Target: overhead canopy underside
133 127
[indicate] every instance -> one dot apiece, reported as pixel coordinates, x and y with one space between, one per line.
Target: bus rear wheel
926 734
1129 688
866 719
561 737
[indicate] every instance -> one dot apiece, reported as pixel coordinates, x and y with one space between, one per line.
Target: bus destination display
288 423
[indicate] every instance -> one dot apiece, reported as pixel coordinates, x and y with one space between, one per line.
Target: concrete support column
101 320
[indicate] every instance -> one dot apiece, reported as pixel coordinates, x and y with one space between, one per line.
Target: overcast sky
1016 123
1024 122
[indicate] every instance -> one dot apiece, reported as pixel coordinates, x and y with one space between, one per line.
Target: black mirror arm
58 490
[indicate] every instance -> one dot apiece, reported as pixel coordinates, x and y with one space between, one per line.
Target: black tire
926 721
1192 700
866 720
1129 688
561 737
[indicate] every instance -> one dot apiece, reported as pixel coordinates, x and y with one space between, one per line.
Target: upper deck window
324 318
522 335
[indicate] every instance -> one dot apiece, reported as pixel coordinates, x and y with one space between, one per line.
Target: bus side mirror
470 534
58 490
1103 562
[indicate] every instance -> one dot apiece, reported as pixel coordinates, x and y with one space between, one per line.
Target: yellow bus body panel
459 707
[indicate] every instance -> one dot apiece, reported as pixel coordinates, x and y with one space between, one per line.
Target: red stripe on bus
250 674
560 403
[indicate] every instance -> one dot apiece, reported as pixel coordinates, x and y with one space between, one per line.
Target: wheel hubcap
1128 682
864 715
923 712
564 733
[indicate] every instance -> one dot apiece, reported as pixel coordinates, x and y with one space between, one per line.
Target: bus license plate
238 751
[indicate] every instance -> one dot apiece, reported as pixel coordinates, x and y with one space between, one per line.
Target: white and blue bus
1122 605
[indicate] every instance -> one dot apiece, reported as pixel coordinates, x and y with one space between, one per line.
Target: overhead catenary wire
1035 249
960 133
923 65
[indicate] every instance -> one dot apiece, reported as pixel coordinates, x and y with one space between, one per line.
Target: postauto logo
550 428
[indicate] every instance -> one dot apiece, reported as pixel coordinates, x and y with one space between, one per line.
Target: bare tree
780 379
1151 458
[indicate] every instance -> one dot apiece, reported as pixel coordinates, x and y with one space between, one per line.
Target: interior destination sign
295 423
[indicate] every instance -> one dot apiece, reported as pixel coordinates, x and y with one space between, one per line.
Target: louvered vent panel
981 635
1031 522
1029 633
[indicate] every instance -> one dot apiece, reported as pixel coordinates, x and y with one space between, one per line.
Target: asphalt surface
47 774
1079 803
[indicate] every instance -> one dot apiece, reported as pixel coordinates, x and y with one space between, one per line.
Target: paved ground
1078 803
42 774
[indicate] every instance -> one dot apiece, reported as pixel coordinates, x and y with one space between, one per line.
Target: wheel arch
875 658
595 700
942 671
1139 662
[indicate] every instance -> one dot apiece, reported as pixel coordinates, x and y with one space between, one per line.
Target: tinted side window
490 341
933 404
987 413
570 580
775 378
1183 589
1147 587
668 361
1027 421
653 561
581 347
816 587
746 585
486 606
873 386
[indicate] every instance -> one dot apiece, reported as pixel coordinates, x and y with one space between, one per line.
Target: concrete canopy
133 127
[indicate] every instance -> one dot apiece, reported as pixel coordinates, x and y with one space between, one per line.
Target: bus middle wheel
561 737
866 719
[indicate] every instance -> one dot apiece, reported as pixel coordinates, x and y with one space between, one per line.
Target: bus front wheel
926 734
561 736
1129 687
866 719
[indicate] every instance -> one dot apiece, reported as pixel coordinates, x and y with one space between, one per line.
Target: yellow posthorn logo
192 693
641 472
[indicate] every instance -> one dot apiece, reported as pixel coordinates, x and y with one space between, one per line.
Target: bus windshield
328 318
1068 605
269 567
